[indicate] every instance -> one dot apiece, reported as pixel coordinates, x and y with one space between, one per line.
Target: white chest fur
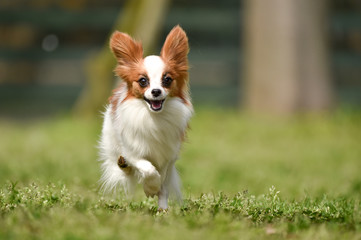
131 130
156 137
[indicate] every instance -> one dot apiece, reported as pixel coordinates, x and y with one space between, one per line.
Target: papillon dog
147 117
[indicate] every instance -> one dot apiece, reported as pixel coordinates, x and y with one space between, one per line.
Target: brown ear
175 48
125 49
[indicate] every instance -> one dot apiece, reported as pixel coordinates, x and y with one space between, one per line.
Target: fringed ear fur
175 48
125 49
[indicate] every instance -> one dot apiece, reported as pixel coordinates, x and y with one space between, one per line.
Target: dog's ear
175 48
125 49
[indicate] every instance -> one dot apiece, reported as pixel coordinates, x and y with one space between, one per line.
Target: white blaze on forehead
154 66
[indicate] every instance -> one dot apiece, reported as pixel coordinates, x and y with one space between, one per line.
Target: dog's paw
149 176
151 184
145 169
162 210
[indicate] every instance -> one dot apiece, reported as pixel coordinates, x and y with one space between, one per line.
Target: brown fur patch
174 54
126 50
129 55
134 91
123 165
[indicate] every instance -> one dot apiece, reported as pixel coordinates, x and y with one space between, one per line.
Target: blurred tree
141 19
286 61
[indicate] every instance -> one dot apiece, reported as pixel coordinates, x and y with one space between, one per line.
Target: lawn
243 178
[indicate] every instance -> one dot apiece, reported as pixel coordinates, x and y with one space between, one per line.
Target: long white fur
149 141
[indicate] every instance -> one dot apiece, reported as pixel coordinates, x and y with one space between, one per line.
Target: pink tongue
156 104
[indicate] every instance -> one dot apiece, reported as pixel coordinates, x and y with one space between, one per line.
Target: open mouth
155 105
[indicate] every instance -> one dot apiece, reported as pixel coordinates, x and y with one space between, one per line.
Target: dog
147 117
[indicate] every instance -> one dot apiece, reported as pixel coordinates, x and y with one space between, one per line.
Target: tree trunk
286 61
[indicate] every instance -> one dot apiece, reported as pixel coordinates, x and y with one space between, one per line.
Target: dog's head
153 78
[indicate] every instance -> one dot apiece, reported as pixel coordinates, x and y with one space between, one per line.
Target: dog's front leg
149 176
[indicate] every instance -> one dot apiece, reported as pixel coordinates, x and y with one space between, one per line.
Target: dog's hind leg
163 198
171 185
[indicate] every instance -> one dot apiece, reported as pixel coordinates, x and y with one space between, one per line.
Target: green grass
229 165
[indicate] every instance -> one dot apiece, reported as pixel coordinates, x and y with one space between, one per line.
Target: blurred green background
50 49
46 46
276 86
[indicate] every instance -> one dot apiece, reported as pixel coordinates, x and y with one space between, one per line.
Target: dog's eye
143 82
167 81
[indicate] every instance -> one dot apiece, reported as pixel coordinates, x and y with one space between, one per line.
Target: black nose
156 92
